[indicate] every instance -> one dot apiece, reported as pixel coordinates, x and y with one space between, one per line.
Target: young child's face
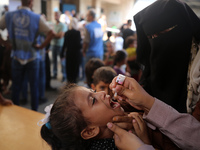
96 107
102 86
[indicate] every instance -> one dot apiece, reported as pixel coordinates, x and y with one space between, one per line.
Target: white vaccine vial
120 80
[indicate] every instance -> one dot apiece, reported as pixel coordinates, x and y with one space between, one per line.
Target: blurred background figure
103 22
93 42
127 32
5 10
56 45
119 41
72 51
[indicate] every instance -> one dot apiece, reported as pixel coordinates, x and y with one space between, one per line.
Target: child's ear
90 132
93 86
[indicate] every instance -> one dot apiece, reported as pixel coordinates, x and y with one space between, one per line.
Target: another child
102 78
90 67
120 61
131 51
109 55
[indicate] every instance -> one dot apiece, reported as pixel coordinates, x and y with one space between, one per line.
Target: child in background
131 51
109 34
120 61
103 76
90 67
78 120
109 55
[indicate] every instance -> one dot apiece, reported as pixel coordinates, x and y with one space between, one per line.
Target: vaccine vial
120 80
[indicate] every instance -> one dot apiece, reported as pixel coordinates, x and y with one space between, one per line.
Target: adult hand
124 140
133 93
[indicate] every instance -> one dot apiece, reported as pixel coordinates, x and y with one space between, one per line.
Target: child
90 67
131 51
78 120
103 76
120 61
109 55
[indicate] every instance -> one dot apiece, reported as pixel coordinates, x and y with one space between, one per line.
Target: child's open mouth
114 105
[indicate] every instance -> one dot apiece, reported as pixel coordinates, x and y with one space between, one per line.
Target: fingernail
109 125
134 121
115 119
120 98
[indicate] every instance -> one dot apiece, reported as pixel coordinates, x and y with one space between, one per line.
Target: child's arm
4 101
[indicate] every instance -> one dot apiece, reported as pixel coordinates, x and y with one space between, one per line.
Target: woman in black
72 48
165 31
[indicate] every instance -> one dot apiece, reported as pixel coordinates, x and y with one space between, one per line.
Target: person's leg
18 72
24 89
82 68
63 66
33 76
54 56
42 79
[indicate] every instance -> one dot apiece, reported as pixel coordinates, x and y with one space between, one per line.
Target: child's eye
93 101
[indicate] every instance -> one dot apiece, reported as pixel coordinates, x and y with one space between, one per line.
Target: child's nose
102 95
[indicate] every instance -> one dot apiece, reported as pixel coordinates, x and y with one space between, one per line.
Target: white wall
118 13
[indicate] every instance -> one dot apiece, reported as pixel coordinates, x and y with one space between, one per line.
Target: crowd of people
157 106
72 41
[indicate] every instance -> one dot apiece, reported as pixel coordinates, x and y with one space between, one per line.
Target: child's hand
140 127
123 122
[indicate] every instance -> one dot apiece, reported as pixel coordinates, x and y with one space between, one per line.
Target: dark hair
66 122
105 74
90 67
92 12
119 56
109 34
129 21
129 40
25 2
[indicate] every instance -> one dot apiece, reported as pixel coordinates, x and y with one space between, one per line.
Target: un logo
21 20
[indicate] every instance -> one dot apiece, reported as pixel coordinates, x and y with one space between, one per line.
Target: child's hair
119 56
105 74
130 40
66 122
109 34
90 67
